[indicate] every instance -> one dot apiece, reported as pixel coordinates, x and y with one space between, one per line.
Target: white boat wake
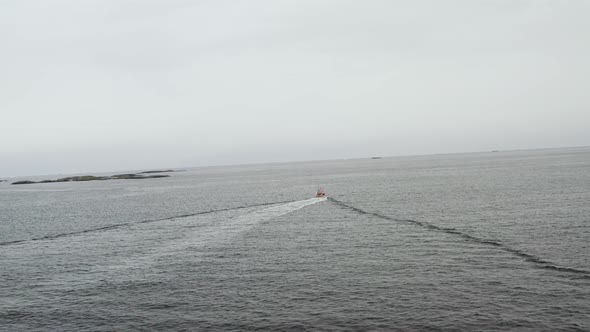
224 231
277 210
200 240
232 227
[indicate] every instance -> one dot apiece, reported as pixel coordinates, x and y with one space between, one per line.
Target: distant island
130 176
162 171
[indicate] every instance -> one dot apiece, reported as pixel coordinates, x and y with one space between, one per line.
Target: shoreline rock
24 182
161 171
84 178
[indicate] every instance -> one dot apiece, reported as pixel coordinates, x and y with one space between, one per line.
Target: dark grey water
491 241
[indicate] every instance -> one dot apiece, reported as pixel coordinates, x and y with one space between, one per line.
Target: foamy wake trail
226 231
277 210
233 227
215 235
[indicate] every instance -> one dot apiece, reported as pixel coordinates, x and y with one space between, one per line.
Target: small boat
320 193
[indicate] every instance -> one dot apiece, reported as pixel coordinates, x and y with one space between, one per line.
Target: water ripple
109 227
528 257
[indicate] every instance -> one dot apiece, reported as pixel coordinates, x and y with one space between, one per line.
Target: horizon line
305 161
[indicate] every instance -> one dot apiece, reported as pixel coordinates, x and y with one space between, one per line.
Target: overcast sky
113 85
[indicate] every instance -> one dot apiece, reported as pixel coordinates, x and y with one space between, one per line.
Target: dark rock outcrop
137 176
81 178
24 182
161 171
96 178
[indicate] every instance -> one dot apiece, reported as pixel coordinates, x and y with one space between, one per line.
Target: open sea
476 242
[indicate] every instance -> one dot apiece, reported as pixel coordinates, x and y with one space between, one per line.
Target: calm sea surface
488 241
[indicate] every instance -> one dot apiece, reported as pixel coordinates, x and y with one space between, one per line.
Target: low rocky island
131 176
162 171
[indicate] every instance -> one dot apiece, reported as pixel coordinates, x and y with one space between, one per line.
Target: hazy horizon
183 167
119 85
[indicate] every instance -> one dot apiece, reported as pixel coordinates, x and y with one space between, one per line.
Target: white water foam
220 233
233 227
